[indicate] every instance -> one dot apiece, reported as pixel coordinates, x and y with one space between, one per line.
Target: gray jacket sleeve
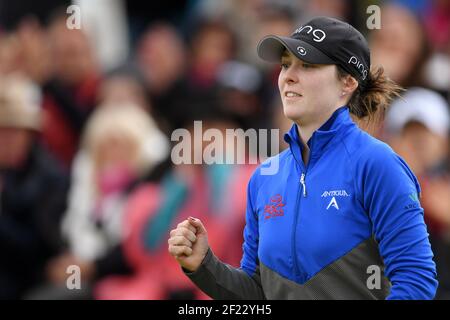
222 281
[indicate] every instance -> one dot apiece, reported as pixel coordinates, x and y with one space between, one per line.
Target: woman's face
309 92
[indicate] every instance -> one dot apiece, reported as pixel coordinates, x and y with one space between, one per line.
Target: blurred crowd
86 117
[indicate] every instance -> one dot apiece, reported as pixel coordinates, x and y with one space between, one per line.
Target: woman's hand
188 243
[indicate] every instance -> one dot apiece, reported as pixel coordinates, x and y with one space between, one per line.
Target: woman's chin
291 114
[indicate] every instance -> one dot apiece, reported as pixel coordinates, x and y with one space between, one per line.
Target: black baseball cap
322 40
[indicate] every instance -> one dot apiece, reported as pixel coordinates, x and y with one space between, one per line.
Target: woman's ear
349 85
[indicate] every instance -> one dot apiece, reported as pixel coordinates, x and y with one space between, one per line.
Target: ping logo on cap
318 34
354 60
344 46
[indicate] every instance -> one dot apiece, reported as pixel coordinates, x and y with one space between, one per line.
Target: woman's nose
290 75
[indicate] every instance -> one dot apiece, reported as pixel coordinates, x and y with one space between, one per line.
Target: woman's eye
284 66
307 65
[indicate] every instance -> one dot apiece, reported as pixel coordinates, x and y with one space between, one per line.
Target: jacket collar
334 127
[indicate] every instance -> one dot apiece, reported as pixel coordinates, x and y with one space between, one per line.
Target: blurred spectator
69 97
211 45
26 50
214 193
124 85
32 53
400 46
127 85
120 145
419 126
240 87
257 17
32 188
437 23
174 86
161 57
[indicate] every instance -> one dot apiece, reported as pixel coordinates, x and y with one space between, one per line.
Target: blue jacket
348 225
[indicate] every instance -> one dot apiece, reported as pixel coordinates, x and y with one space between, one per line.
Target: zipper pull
302 181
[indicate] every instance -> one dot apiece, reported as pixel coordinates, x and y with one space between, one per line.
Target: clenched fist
188 243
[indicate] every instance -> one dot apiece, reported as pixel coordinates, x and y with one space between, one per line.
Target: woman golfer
341 218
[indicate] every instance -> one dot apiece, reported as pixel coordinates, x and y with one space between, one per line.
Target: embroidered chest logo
275 208
333 195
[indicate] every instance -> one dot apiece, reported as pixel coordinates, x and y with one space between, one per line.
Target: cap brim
271 48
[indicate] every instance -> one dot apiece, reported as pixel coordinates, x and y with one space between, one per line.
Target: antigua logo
333 203
334 194
275 208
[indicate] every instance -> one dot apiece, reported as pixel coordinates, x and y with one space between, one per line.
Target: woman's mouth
292 95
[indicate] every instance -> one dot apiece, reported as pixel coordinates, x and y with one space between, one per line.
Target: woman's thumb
197 224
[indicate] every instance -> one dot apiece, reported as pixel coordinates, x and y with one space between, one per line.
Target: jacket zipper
302 181
297 214
294 233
